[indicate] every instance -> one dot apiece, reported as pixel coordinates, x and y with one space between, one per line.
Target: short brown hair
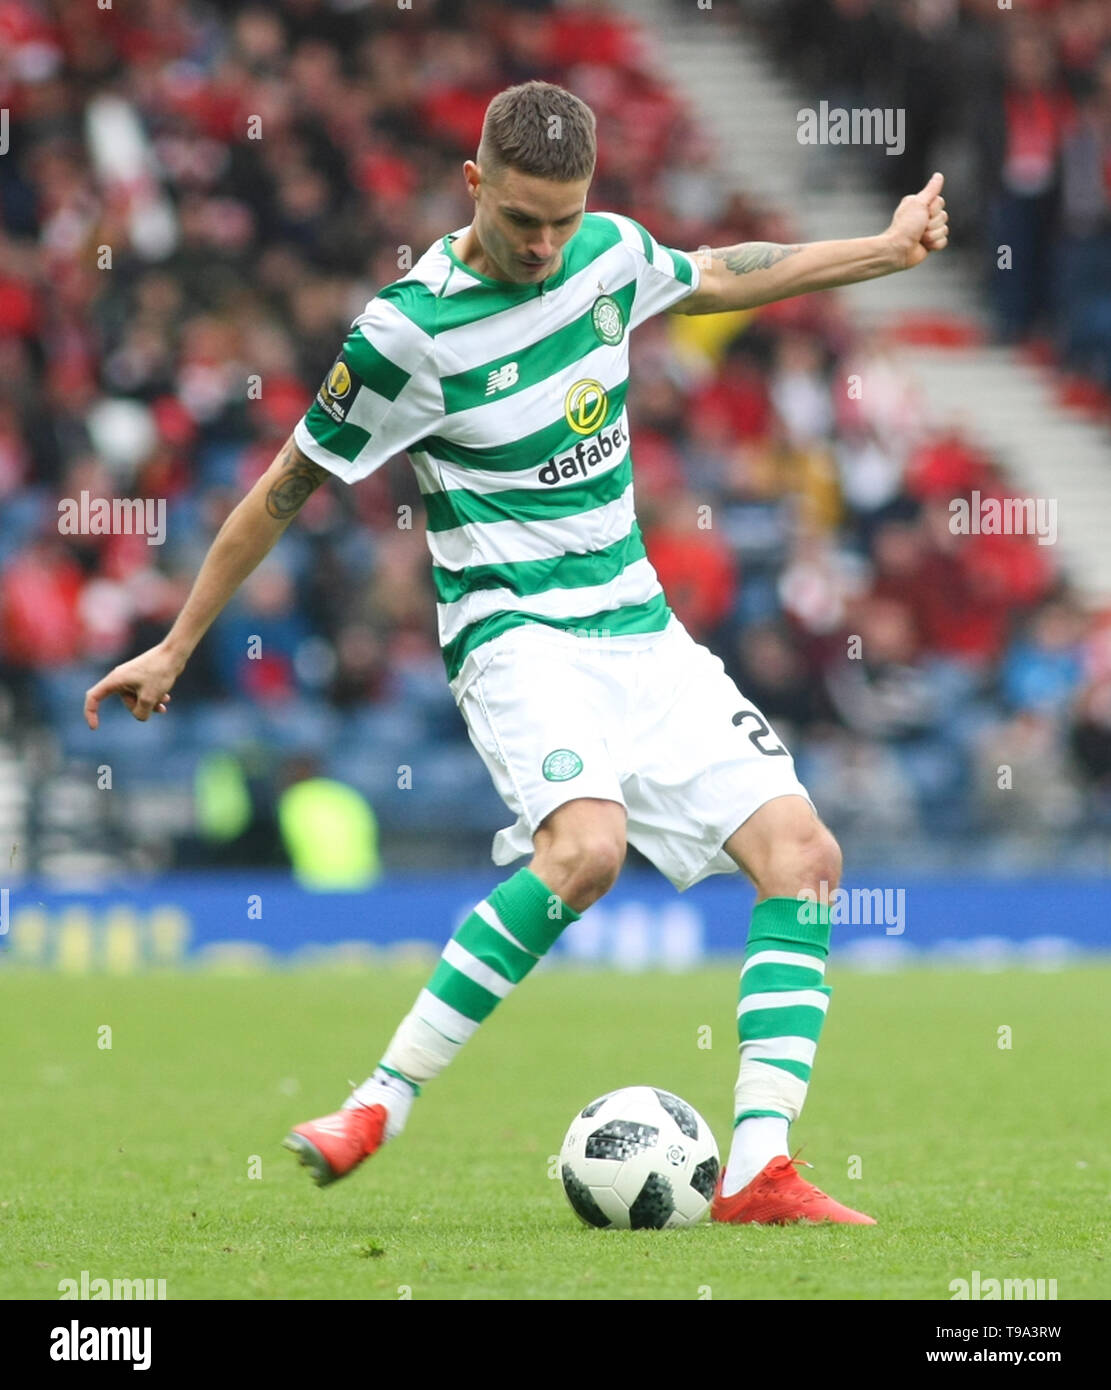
541 129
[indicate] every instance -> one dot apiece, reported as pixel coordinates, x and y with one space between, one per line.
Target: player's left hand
920 224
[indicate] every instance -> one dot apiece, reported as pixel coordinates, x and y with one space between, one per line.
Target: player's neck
469 250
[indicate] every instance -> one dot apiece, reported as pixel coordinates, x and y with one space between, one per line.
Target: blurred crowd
196 201
1014 103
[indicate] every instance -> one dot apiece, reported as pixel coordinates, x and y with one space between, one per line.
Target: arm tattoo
753 255
299 478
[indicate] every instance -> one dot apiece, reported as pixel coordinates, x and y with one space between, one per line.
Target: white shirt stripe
393 334
490 480
635 584
368 410
514 329
505 542
498 421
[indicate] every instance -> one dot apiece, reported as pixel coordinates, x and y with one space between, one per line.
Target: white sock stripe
804 962
491 918
787 1049
461 959
784 999
448 1022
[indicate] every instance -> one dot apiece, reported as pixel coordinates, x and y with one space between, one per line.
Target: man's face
523 222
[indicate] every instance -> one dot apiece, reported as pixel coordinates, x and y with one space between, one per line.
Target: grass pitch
135 1161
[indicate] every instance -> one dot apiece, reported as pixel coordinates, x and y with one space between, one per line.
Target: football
639 1158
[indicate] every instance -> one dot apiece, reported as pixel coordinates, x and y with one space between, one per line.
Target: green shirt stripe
683 272
529 451
651 616
534 364
459 507
524 577
344 439
387 378
416 301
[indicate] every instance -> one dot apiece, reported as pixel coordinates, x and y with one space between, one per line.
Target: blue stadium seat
301 725
21 517
223 724
394 727
61 690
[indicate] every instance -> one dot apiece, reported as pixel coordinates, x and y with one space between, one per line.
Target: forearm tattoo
753 255
299 479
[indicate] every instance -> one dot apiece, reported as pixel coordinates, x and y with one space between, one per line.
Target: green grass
133 1162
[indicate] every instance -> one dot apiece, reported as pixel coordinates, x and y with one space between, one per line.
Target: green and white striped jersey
510 402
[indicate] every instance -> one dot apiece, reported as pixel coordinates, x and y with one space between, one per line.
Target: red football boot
777 1196
334 1145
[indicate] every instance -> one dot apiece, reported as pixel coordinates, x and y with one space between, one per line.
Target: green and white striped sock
782 1008
493 950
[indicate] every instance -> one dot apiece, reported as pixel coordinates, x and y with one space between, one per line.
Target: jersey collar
543 285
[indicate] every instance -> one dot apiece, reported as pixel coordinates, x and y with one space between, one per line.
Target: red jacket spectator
696 569
39 593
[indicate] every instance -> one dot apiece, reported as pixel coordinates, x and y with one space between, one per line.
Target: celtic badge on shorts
562 765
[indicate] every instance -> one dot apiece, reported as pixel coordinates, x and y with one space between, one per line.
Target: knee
820 862
807 862
582 869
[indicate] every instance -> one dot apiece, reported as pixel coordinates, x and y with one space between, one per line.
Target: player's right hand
143 684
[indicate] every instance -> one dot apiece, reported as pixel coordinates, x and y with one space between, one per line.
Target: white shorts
652 722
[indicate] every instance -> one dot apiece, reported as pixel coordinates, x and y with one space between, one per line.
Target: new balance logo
502 377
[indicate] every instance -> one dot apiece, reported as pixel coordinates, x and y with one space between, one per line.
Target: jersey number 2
761 731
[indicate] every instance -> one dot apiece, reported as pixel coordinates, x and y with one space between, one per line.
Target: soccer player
500 364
